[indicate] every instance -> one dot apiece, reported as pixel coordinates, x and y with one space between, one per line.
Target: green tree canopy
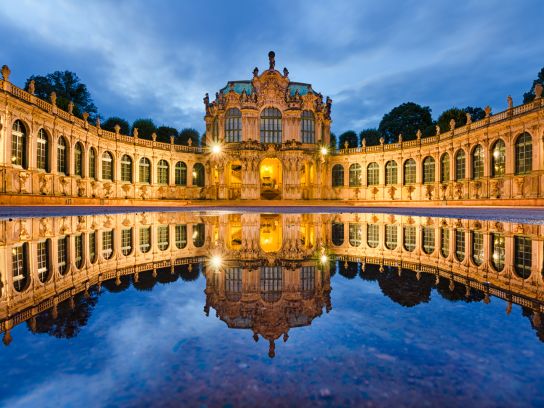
333 142
110 123
406 119
145 127
529 96
186 134
164 133
460 117
371 136
351 137
475 113
67 86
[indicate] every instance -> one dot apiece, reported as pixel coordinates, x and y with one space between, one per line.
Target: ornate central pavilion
270 130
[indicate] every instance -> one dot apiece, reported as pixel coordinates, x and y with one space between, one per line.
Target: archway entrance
270 173
234 180
270 232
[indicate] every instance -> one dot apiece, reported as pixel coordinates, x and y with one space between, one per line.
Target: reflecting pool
246 309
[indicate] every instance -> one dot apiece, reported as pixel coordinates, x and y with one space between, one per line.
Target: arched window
181 174
233 125
78 251
355 234
524 154
215 130
43 252
78 159
92 163
444 242
162 172
477 248
199 232
62 255
391 172
460 245
19 267
126 241
409 238
428 239
271 284
198 175
460 165
107 166
307 127
498 251
391 236
498 159
477 162
62 156
181 236
445 168
373 174
145 239
144 170
126 168
233 284
93 247
107 244
337 234
372 235
355 175
337 175
409 171
271 126
522 257
428 170
163 237
18 144
307 281
42 150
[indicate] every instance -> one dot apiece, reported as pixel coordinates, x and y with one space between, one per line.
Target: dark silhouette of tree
333 142
186 134
145 281
68 87
349 270
370 272
536 319
167 275
460 117
110 123
530 96
70 316
406 289
351 137
189 272
459 292
115 286
371 137
475 113
164 133
406 119
145 127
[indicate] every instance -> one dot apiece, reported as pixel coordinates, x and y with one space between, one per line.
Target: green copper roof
302 89
240 86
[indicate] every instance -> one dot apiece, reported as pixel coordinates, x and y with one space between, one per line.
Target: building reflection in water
265 273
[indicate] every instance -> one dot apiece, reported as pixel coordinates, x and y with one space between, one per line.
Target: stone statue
70 107
54 98
206 100
5 73
437 129
32 87
538 91
271 60
487 111
469 118
255 71
452 124
285 72
510 102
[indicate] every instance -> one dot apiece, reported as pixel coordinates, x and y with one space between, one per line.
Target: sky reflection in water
392 340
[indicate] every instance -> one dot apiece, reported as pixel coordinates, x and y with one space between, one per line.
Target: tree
67 86
110 123
529 96
145 127
406 119
459 115
351 137
186 134
164 133
332 143
475 113
371 137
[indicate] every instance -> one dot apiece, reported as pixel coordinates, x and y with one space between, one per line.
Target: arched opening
270 232
270 173
234 180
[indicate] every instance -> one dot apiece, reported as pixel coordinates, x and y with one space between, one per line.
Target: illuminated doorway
270 173
270 233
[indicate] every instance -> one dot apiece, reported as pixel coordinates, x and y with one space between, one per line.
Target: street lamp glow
324 151
216 261
324 259
216 149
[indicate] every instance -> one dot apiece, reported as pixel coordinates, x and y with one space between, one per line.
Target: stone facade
267 263
266 138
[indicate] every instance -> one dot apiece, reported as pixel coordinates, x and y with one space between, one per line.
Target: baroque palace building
266 138
265 273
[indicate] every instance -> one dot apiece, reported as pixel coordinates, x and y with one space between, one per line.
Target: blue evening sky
157 59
